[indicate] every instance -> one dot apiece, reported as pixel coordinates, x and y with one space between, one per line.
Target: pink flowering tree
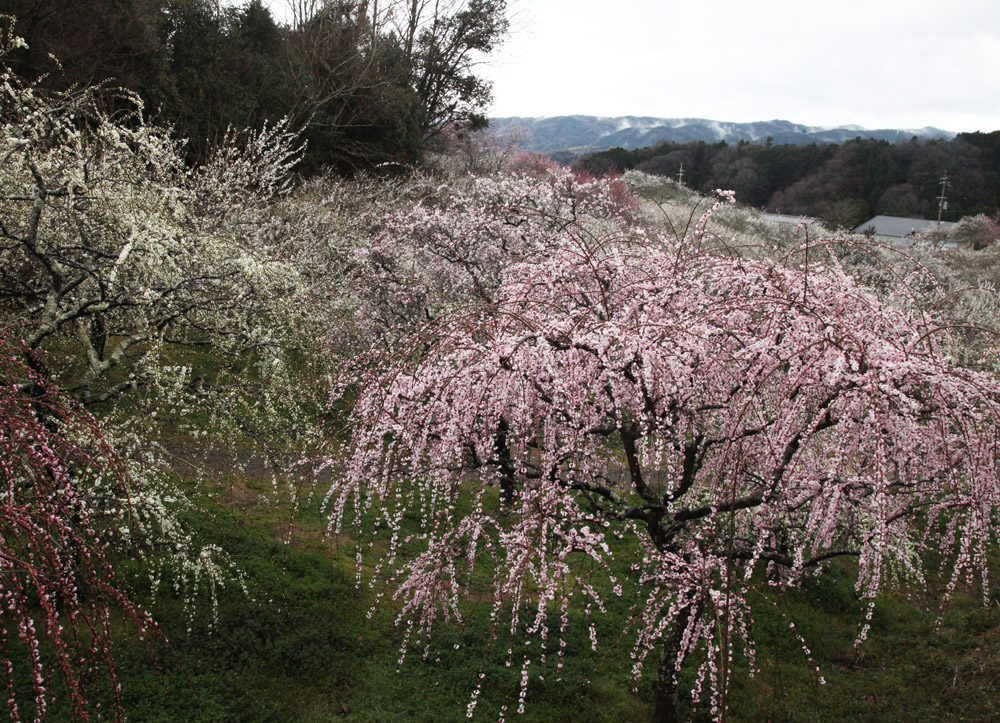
57 588
453 243
740 422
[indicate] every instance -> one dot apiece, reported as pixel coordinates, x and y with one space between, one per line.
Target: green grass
908 669
301 647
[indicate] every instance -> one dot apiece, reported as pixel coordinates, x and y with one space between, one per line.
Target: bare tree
443 42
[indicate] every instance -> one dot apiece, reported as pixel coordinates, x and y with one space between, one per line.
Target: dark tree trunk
665 700
507 481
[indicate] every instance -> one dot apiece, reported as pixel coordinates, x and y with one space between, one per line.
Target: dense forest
844 184
365 86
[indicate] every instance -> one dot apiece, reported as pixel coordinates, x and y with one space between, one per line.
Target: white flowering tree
111 244
739 422
173 290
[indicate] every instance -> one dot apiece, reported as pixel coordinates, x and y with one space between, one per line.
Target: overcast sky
873 63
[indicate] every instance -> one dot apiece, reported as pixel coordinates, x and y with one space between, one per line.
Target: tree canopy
844 184
367 85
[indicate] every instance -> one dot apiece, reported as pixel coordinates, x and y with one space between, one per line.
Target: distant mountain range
579 134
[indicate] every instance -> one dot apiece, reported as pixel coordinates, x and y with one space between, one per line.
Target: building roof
897 227
785 218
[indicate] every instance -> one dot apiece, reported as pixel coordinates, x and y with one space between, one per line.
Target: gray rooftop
897 227
785 218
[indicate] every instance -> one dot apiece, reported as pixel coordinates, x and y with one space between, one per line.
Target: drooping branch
744 430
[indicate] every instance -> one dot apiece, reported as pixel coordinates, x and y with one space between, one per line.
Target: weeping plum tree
57 588
741 422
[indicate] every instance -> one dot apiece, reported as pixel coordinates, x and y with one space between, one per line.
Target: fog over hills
584 134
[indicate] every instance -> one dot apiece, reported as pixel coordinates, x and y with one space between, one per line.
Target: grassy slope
301 647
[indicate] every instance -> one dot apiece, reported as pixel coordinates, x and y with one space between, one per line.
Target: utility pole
943 199
680 175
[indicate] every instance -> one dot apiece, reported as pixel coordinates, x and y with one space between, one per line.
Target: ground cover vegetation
845 185
490 438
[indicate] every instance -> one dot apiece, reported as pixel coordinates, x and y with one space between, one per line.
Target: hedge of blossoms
741 421
57 589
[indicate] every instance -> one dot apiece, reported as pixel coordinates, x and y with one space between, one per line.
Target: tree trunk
665 700
502 445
